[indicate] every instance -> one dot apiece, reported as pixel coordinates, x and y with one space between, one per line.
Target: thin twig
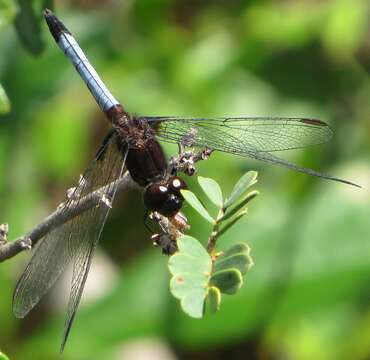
59 217
211 245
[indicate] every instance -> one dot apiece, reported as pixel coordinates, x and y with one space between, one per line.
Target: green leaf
191 290
228 281
28 26
345 27
197 205
191 268
3 356
213 300
193 303
183 263
4 101
229 268
241 261
188 244
191 257
229 213
232 222
246 181
212 190
236 249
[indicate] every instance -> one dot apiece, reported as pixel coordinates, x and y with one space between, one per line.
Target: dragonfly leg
4 229
186 159
169 232
146 219
164 241
106 201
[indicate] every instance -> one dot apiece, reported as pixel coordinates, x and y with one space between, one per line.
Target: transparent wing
254 137
263 134
75 239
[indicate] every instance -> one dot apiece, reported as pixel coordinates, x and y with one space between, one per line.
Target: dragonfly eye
167 200
176 184
155 195
171 206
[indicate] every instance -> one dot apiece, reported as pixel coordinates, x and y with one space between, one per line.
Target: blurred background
308 296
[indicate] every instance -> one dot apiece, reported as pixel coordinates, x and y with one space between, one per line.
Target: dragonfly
132 144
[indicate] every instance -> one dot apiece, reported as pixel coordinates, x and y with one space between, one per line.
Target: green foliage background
307 297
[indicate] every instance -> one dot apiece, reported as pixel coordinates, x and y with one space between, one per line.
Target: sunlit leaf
190 245
193 201
345 27
191 290
301 22
4 101
246 181
191 269
3 356
212 190
191 257
228 281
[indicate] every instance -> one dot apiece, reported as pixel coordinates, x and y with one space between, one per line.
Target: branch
58 218
184 162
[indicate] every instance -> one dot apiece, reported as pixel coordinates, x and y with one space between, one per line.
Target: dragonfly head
165 197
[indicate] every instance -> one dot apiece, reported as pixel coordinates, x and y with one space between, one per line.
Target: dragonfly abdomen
72 50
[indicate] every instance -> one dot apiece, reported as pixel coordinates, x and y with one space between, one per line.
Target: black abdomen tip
47 12
56 27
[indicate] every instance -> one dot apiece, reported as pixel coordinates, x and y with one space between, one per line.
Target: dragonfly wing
263 134
271 158
50 258
76 239
254 137
88 228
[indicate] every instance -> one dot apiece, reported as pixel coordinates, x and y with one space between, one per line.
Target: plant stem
214 234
